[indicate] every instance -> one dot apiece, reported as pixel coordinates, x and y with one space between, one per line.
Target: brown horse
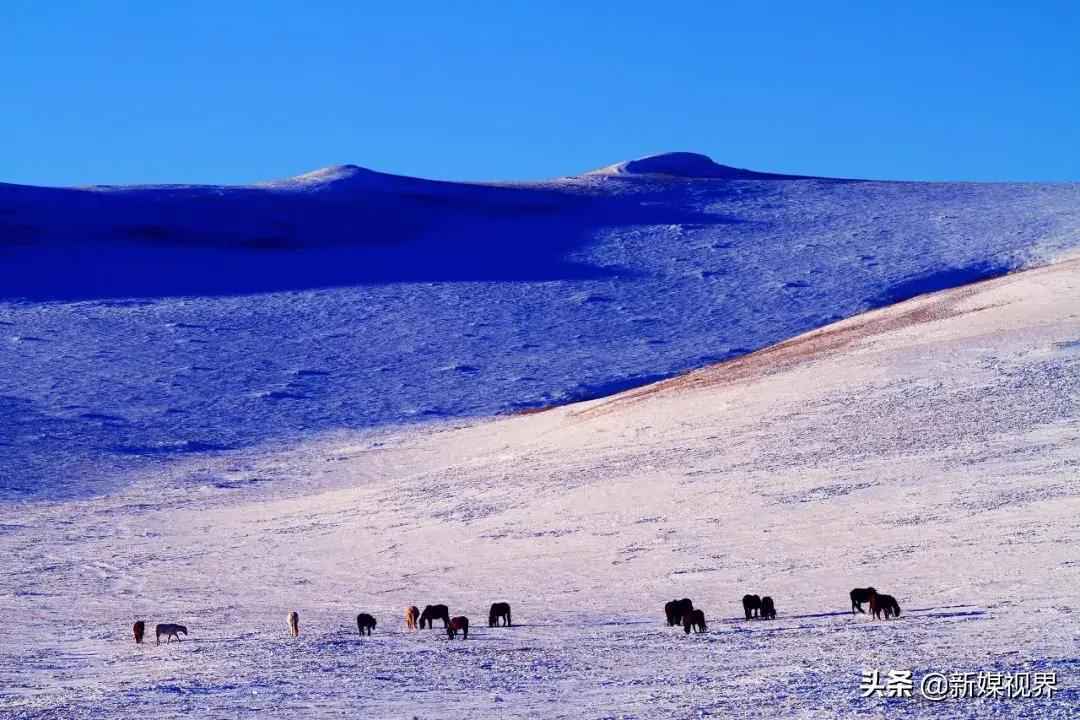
294 624
751 605
695 619
768 608
676 611
434 612
412 616
365 622
139 628
458 624
499 611
883 604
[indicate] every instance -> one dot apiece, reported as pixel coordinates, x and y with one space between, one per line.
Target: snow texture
308 426
140 325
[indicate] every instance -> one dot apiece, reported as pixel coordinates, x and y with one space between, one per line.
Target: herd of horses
682 612
676 612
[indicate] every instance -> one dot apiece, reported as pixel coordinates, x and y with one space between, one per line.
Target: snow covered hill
929 449
686 165
142 325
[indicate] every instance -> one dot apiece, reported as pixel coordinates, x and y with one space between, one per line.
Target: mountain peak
681 165
327 175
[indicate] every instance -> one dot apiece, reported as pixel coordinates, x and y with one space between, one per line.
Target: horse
695 619
751 605
365 622
499 610
434 612
883 604
139 628
768 609
458 624
294 624
676 610
412 614
170 631
858 597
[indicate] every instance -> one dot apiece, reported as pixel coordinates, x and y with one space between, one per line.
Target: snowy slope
685 165
142 325
929 449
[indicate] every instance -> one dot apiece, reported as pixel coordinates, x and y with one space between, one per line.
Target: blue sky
232 92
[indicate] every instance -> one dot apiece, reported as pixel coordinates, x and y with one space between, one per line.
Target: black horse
434 612
365 622
499 611
695 619
858 597
677 610
458 624
768 609
751 605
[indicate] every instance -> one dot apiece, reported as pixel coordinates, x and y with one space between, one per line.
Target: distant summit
333 175
684 165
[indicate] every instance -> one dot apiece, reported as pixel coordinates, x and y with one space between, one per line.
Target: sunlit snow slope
145 324
929 449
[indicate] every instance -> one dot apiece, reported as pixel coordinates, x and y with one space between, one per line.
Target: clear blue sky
235 91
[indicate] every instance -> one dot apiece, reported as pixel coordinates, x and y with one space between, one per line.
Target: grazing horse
458 624
434 612
412 615
751 605
768 609
694 619
858 597
139 628
883 604
170 631
365 622
499 611
294 624
677 610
